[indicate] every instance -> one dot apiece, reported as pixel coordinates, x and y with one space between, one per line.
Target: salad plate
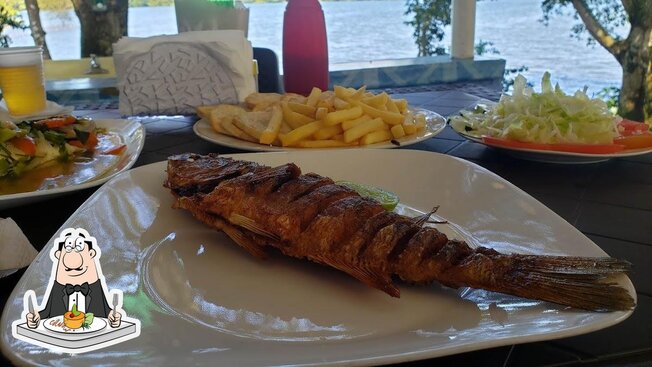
203 301
130 132
552 126
435 123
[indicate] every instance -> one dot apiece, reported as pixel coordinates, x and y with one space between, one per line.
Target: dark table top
610 202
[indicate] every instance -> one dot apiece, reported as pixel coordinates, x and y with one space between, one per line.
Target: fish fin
251 225
424 218
238 237
367 276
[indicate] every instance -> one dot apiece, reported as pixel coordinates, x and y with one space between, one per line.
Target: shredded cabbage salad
549 117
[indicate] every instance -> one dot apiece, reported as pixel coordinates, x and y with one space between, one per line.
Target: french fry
301 133
334 118
408 125
328 132
391 118
313 97
294 119
342 93
340 104
285 128
321 113
402 105
359 94
377 101
351 123
362 129
273 127
397 131
303 109
391 106
376 137
329 143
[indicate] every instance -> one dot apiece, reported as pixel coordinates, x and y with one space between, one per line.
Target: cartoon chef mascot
76 280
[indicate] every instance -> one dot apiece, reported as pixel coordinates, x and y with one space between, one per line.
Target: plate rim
231 142
137 126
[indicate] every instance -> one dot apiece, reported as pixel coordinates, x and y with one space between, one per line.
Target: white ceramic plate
202 300
56 324
549 156
132 134
435 123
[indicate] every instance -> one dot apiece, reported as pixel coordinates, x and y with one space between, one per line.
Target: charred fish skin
309 216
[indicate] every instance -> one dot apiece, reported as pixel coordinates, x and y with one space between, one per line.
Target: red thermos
305 49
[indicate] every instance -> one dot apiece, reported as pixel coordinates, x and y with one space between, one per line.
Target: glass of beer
21 80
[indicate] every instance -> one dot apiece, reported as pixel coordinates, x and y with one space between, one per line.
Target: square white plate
202 300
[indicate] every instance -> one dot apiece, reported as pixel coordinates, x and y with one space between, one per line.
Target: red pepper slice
635 141
55 122
571 148
25 144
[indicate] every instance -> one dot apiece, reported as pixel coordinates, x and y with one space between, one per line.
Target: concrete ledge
415 71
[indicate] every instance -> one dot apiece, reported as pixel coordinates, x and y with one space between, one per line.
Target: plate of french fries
341 118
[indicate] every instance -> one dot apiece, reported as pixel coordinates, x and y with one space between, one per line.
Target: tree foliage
600 22
430 18
9 19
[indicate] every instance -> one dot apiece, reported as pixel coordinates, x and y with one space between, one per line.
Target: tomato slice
91 142
25 144
628 127
75 143
635 141
55 122
571 148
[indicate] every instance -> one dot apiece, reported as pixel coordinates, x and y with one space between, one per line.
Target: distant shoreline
58 5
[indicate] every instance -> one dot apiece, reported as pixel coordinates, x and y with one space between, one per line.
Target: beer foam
20 56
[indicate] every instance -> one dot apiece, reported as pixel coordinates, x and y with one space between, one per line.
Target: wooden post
463 35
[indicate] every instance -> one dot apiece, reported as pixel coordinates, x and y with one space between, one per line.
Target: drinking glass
21 80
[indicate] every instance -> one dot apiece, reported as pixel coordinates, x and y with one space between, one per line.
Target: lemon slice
387 199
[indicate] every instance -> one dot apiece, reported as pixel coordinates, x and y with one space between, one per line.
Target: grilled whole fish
309 216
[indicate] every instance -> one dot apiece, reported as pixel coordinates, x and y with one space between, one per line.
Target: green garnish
74 310
387 199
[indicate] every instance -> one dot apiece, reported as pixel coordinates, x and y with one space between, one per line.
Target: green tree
600 19
430 18
9 18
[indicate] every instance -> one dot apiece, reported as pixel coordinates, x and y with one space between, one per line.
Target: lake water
375 30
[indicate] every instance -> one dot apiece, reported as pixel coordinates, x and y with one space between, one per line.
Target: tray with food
64 153
341 118
552 126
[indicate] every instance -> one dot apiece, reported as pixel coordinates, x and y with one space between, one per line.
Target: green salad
548 117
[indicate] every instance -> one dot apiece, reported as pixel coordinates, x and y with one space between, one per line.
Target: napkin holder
201 15
172 75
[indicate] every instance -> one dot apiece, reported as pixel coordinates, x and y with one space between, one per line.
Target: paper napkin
51 109
17 252
170 75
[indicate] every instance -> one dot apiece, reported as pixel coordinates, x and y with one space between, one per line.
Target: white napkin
51 109
16 250
173 74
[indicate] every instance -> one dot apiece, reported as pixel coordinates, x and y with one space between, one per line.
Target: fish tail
580 282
